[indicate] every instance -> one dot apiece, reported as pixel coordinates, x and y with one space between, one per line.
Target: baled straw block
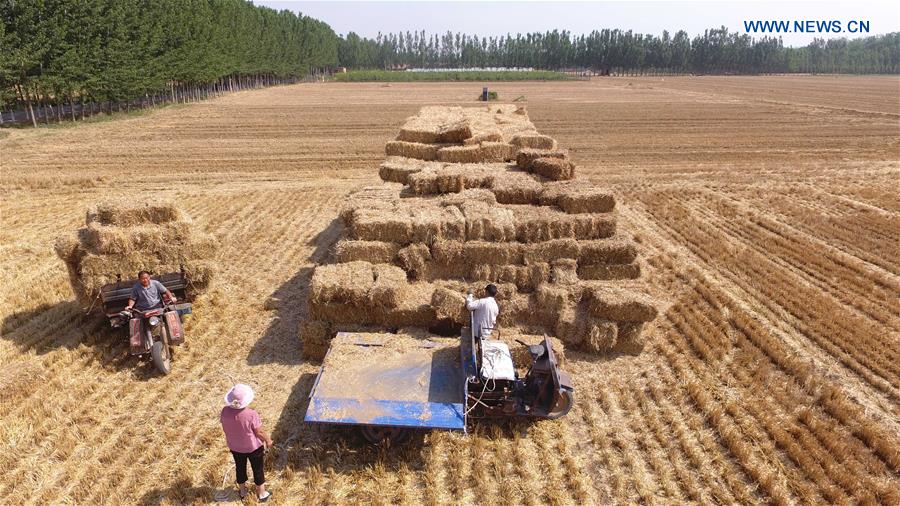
376 252
533 140
388 286
398 169
564 271
609 271
525 277
455 132
460 154
473 194
346 283
413 258
556 169
516 187
620 304
486 136
111 239
631 340
412 150
315 336
449 305
497 152
615 250
488 223
525 156
405 224
577 197
126 213
602 336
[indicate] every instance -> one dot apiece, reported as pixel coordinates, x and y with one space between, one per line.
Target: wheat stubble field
769 222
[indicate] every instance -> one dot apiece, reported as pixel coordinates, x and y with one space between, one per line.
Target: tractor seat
496 361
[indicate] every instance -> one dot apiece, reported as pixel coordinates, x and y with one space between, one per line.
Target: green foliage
622 51
469 75
116 50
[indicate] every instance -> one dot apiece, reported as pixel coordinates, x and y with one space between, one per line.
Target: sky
652 17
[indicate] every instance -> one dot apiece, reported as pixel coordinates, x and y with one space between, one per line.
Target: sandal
242 495
266 497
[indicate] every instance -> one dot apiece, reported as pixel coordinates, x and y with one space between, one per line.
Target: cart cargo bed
391 380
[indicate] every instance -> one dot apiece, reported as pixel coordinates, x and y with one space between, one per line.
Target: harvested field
764 210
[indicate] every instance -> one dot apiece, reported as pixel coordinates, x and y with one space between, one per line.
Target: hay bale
315 337
533 140
452 178
553 168
621 304
525 156
346 283
516 187
376 252
398 169
497 152
413 258
609 271
460 154
456 132
488 223
630 338
469 195
602 336
572 327
476 252
542 224
449 305
615 250
412 150
388 286
127 212
525 277
486 136
422 135
577 197
564 271
407 223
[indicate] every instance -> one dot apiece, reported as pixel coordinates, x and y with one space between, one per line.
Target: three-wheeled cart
388 385
154 331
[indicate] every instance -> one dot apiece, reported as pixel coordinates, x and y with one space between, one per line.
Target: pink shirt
239 425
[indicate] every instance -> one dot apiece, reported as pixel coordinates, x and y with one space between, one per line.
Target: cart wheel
159 352
376 434
563 405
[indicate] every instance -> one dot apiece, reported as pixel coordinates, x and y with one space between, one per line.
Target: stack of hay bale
475 196
122 238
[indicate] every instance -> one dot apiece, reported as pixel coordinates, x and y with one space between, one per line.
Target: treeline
717 51
73 56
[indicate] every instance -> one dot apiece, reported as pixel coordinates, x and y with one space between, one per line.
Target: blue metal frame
437 413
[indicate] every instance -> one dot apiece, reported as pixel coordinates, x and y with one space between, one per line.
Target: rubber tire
563 405
161 358
392 435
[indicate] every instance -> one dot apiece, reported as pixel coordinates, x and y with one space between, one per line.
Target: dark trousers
256 458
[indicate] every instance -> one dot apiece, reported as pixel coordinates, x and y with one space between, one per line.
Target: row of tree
611 50
66 54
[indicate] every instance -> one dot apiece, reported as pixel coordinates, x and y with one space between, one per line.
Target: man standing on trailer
485 311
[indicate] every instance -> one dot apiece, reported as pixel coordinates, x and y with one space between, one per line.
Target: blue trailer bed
391 380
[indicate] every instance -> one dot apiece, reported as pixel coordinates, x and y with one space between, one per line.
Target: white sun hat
239 397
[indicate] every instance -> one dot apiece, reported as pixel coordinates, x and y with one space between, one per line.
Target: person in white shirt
486 311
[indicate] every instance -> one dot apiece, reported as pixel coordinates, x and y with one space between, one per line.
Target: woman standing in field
245 438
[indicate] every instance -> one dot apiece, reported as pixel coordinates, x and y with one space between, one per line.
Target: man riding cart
148 310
